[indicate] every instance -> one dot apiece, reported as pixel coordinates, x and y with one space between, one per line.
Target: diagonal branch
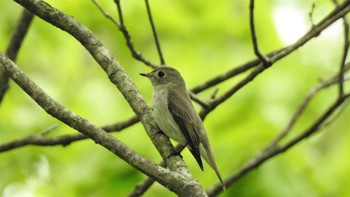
52 107
301 108
115 22
267 154
185 183
142 187
275 55
334 15
84 126
15 44
230 73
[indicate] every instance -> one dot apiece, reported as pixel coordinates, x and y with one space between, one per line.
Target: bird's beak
145 74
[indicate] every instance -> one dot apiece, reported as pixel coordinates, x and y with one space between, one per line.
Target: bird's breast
164 118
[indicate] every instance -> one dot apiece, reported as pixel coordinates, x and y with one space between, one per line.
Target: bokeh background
202 40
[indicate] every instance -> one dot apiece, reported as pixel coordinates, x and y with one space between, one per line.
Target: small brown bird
176 116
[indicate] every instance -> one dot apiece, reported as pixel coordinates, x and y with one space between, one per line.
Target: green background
201 39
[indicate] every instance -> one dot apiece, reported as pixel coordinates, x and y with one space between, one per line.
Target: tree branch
122 27
185 183
275 56
301 108
344 55
267 154
156 40
64 140
257 52
326 22
142 187
14 46
162 175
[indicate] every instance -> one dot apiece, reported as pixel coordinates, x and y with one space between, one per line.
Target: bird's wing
185 116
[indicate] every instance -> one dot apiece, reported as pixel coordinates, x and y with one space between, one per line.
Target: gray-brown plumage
176 116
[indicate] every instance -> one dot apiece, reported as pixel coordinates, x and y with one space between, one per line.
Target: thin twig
344 55
32 139
48 130
266 62
160 54
311 13
121 26
136 54
64 140
106 14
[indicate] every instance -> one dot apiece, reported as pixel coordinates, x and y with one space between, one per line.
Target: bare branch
257 52
137 55
14 46
301 108
121 26
337 13
196 99
311 13
344 55
327 21
18 35
63 114
266 155
174 181
185 184
142 187
64 140
230 73
103 57
30 139
160 54
106 14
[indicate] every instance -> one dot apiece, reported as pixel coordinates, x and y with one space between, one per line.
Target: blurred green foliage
202 40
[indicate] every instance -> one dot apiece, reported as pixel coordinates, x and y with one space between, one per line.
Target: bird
177 117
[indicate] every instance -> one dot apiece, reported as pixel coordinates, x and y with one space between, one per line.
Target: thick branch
162 175
84 126
118 76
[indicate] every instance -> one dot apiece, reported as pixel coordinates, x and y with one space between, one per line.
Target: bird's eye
161 74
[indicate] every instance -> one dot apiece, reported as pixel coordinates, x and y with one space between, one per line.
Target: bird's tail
208 156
